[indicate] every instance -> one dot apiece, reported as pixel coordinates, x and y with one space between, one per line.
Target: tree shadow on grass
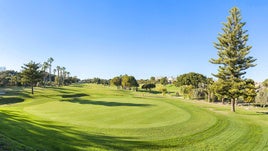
10 100
74 95
152 91
16 91
262 112
63 90
105 103
23 133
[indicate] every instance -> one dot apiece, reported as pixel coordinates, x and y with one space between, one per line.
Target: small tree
192 78
233 55
220 90
133 82
148 86
249 91
186 91
128 82
116 81
209 89
262 97
31 74
164 81
125 82
162 89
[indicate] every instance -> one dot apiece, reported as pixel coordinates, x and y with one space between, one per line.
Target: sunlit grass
95 117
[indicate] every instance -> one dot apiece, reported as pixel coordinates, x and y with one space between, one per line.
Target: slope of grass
94 117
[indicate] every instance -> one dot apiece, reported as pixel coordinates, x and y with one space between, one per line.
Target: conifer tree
233 57
31 73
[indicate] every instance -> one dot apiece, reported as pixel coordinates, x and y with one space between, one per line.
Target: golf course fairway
96 117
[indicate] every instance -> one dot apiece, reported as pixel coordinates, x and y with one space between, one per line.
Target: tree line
36 74
193 86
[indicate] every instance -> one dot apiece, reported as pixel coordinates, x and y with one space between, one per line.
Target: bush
162 89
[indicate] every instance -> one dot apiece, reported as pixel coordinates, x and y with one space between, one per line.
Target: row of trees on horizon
191 86
36 74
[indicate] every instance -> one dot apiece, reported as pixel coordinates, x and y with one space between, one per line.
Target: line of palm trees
62 74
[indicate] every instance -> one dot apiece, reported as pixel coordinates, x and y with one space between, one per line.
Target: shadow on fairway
16 92
262 112
63 90
152 91
45 135
105 103
10 100
74 95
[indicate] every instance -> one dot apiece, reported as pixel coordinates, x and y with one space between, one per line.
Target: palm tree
68 74
58 69
63 74
54 71
44 68
50 60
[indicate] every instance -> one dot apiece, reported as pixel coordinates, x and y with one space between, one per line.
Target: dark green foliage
129 81
9 78
97 81
148 86
70 80
125 81
116 81
31 73
192 78
133 81
233 55
164 81
220 90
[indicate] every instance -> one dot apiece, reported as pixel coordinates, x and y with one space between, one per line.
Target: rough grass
94 117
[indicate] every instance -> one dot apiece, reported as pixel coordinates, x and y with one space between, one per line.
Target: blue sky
144 38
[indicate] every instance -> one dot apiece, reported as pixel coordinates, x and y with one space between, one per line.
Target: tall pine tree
233 57
31 74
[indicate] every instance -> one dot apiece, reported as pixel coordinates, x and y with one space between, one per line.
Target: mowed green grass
95 117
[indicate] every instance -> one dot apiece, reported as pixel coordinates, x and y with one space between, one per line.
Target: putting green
111 113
